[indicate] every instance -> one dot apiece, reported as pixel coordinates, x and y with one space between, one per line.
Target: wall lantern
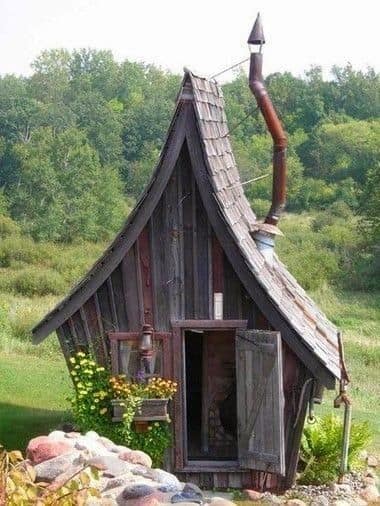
146 351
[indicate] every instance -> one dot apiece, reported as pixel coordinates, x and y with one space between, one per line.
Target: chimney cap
256 36
266 229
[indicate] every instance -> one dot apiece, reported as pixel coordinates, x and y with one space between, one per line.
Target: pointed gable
313 329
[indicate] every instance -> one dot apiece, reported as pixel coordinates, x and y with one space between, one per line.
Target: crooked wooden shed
246 344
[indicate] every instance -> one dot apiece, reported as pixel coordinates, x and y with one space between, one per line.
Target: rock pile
126 476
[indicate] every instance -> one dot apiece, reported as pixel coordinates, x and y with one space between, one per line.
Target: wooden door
260 401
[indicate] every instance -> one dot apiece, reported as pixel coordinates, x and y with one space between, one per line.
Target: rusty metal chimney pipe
257 86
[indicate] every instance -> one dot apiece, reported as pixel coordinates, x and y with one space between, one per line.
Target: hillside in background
79 138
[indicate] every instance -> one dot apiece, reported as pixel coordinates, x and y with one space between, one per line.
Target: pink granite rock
370 494
136 457
42 448
253 495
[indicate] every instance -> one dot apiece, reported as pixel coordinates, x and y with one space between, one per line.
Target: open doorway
210 395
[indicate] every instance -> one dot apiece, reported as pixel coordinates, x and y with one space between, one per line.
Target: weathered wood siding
171 272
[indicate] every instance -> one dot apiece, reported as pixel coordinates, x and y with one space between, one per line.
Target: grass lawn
358 316
32 397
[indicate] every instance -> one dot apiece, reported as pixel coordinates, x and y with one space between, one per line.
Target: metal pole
346 436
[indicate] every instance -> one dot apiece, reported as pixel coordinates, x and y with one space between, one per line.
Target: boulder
42 448
51 469
137 490
190 493
57 435
372 461
111 465
370 493
168 482
108 444
139 470
154 499
94 447
120 481
72 435
369 480
91 434
136 457
253 495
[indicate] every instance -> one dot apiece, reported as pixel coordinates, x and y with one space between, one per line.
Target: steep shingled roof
318 333
302 314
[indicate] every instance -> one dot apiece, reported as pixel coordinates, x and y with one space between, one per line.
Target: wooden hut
247 345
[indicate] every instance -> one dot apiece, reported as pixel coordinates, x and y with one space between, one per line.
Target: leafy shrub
260 207
18 485
92 409
8 227
33 281
321 448
21 249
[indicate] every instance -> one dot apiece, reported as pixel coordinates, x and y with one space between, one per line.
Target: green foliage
31 281
20 249
326 248
370 205
50 166
92 409
154 441
335 152
321 449
83 129
8 227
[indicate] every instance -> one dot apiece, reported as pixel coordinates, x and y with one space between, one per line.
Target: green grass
33 392
358 316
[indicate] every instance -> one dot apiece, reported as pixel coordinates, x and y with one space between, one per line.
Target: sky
203 35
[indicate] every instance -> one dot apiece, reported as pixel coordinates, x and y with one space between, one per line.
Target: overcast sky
204 35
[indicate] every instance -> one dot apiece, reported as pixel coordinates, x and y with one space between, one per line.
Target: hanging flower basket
150 410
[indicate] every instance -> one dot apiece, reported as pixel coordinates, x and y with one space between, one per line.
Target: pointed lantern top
257 34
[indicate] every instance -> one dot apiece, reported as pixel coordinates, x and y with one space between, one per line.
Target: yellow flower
92 407
73 373
72 360
103 411
100 369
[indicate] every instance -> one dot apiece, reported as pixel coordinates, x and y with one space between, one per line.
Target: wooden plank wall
171 272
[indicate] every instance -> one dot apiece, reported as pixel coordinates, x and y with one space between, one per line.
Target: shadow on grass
18 424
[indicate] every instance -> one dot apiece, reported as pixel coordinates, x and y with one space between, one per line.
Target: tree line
80 137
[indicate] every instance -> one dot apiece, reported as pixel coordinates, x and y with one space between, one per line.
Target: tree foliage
82 135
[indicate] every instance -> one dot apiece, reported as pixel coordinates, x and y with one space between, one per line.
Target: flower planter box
150 410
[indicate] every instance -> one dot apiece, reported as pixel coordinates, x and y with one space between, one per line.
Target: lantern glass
146 341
